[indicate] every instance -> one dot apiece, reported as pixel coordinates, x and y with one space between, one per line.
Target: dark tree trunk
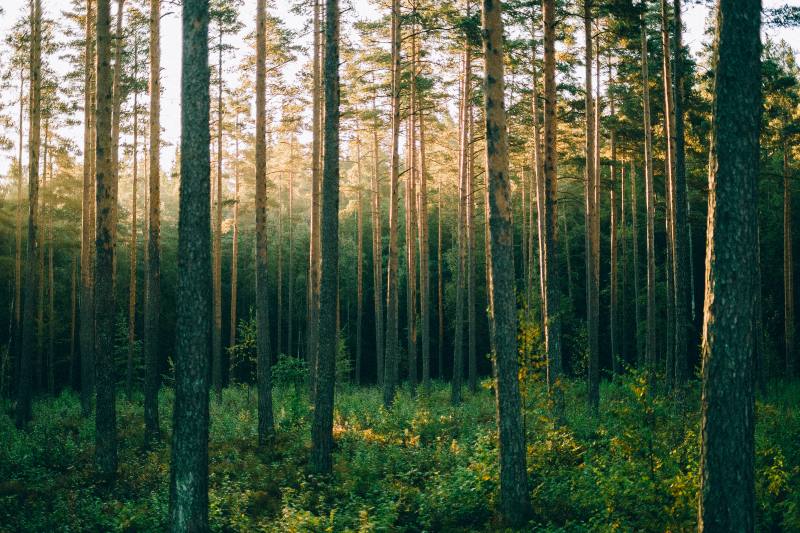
727 494
266 424
189 464
322 427
514 501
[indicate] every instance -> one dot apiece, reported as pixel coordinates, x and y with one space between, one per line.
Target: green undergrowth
422 466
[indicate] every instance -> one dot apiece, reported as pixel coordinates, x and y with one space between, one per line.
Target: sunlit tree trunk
188 505
613 195
39 371
514 497
312 299
411 224
440 283
116 120
424 254
322 425
727 491
73 319
235 246
469 269
216 249
17 332
134 193
360 264
377 251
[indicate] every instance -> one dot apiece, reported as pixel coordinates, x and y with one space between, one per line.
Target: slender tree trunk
411 223
314 240
514 498
188 507
552 319
235 247
17 332
377 252
638 339
105 308
727 493
391 355
23 411
266 424
73 319
216 331
279 269
152 303
472 356
440 282
134 192
42 245
590 177
567 256
51 322
424 255
538 175
650 357
116 119
360 264
684 309
614 318
788 267
290 269
463 169
322 426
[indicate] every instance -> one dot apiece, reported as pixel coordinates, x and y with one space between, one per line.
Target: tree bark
314 232
152 302
87 220
552 319
411 223
134 192
424 255
266 424
614 314
514 499
377 251
116 119
235 247
188 507
390 354
727 494
322 426
105 308
216 249
636 270
788 267
360 264
17 332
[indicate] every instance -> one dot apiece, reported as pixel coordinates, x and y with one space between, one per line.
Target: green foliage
421 466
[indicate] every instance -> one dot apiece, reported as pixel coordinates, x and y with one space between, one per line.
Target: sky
694 19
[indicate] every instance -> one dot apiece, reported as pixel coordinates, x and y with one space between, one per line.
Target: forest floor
422 466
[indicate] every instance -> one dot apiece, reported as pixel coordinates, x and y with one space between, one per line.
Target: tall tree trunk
440 282
51 289
411 224
552 307
73 319
514 498
216 249
105 308
614 318
590 177
134 192
463 169
235 246
538 179
152 302
377 251
472 356
23 412
727 493
390 354
290 266
312 300
39 371
116 120
639 352
684 294
188 507
266 424
650 357
322 426
788 268
17 332
424 255
360 264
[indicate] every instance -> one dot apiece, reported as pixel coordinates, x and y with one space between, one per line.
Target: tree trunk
614 318
17 332
538 183
152 302
727 494
73 319
411 223
684 294
188 507
552 307
377 252
650 357
514 498
360 264
463 169
266 424
639 352
788 267
290 269
51 321
23 411
590 177
105 308
322 426
134 192
472 356
216 331
314 232
391 355
235 246
440 281
116 119
424 255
